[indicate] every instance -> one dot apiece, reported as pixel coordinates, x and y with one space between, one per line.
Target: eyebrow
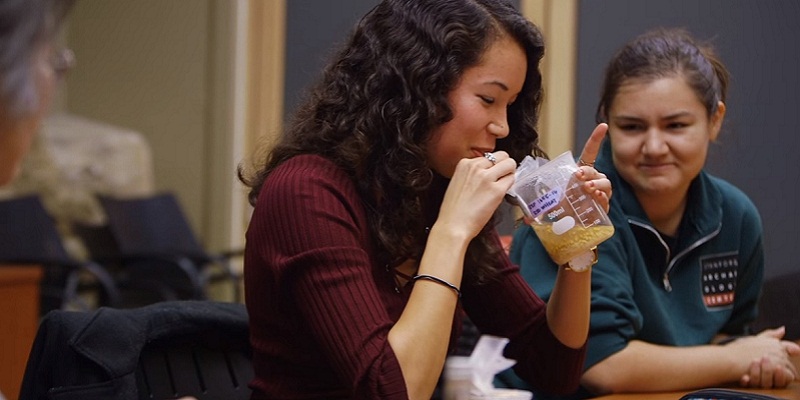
497 83
668 117
678 115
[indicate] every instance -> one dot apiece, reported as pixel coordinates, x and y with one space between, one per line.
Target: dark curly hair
387 89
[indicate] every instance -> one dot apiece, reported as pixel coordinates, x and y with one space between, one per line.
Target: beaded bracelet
439 281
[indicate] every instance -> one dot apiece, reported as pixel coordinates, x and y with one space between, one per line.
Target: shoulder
307 182
307 167
735 202
729 191
308 193
307 174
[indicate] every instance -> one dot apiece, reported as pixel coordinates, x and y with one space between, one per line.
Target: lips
655 168
479 152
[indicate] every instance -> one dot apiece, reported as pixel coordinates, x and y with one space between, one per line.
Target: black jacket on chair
96 355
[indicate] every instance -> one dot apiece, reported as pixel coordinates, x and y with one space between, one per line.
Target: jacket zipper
670 264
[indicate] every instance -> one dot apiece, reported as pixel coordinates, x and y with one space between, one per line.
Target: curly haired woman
372 233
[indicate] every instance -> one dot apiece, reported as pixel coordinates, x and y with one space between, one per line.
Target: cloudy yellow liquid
575 241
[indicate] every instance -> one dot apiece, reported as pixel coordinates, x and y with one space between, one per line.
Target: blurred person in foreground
31 66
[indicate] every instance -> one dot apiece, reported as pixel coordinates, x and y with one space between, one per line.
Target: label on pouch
545 202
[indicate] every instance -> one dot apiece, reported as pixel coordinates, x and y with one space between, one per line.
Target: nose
499 127
655 143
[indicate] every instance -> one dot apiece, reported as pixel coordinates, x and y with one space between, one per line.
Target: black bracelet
439 281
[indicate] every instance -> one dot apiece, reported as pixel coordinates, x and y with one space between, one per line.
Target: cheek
695 152
15 141
438 151
624 148
46 87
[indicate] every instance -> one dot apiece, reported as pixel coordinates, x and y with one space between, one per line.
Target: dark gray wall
758 40
758 148
314 30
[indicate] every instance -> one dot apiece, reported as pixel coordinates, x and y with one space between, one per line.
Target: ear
715 122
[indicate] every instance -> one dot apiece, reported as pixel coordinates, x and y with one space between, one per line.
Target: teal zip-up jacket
641 290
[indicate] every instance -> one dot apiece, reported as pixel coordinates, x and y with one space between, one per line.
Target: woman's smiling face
659 132
479 103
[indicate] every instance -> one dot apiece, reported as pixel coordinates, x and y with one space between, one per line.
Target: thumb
776 333
592 146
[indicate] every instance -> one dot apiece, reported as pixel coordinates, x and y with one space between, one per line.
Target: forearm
569 307
646 367
421 336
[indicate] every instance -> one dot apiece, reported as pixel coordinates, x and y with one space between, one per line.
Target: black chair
162 351
139 284
28 235
779 305
153 233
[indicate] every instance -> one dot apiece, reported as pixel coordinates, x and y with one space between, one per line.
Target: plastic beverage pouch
566 219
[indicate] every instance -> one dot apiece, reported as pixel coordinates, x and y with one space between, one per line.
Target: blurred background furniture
161 351
19 318
71 160
139 284
28 236
154 237
183 366
779 305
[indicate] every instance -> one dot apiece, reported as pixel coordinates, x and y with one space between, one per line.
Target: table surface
792 392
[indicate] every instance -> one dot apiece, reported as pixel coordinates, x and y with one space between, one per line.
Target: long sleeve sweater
321 304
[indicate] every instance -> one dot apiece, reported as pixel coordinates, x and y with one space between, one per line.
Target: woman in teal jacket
683 271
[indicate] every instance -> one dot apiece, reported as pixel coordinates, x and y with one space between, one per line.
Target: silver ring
588 164
490 157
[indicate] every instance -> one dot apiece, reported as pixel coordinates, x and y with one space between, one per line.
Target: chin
446 171
661 190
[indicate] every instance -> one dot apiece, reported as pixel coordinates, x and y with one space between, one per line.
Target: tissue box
503 394
470 378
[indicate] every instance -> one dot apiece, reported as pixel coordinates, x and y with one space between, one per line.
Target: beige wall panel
144 65
558 21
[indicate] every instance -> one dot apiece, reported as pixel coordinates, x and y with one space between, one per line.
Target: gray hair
25 25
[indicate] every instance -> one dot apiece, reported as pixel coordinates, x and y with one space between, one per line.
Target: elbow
600 381
561 385
598 388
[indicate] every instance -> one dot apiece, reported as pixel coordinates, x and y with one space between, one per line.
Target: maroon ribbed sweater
321 304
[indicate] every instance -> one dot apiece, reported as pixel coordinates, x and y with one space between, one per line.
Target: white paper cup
504 394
